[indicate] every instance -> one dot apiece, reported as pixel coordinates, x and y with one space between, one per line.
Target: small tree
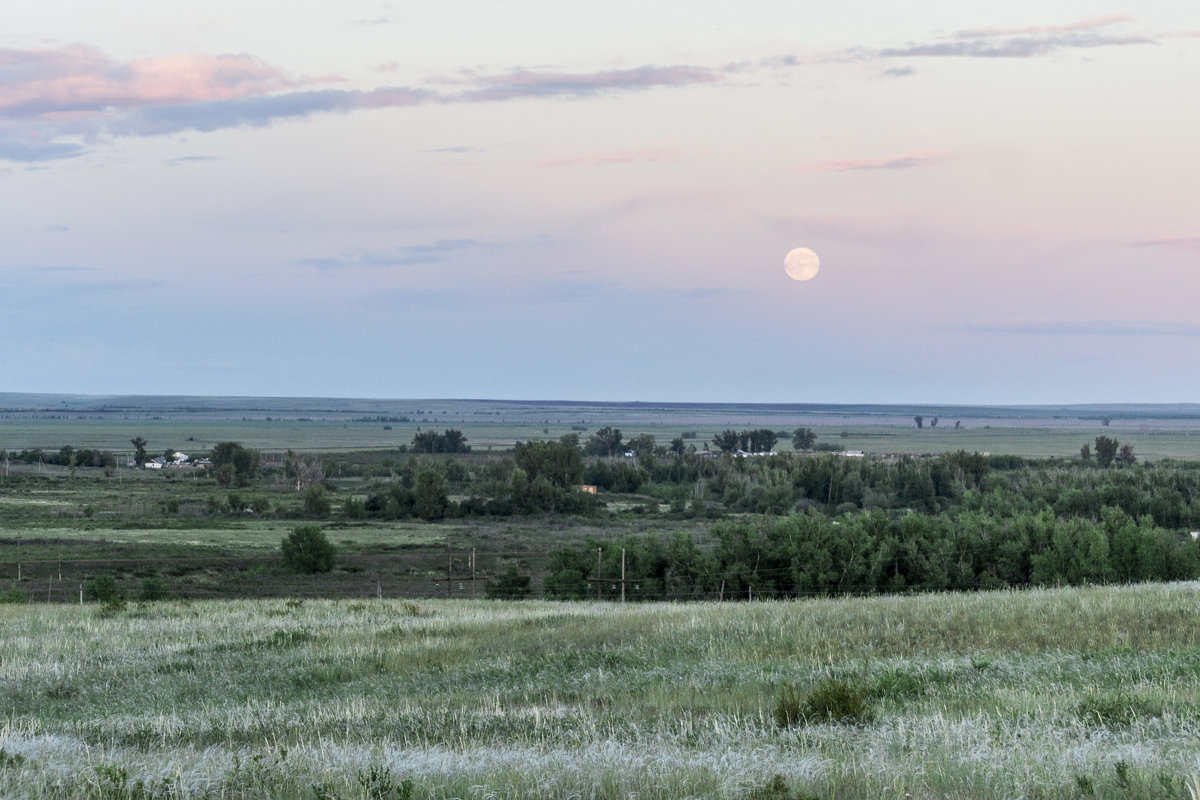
104 589
803 439
920 421
1106 450
1085 453
1125 455
316 501
307 549
304 469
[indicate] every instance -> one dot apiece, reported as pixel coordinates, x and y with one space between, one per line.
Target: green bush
316 502
830 700
508 585
153 589
307 549
104 589
14 595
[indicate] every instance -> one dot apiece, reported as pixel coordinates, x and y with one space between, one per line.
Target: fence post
622 574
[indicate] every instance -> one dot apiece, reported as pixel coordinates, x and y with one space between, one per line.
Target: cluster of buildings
177 461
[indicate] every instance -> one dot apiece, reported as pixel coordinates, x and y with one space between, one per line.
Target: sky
593 201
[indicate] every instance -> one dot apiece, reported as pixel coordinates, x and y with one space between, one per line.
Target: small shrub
1115 709
153 589
307 549
788 703
379 785
830 700
508 585
112 606
14 595
103 589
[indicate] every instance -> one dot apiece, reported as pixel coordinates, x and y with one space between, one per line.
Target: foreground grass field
1042 694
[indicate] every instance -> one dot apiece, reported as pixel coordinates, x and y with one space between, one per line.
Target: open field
331 425
1047 694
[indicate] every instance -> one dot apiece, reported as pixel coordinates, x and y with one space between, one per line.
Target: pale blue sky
594 200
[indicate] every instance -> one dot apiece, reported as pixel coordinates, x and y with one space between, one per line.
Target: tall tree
803 439
139 450
604 442
727 440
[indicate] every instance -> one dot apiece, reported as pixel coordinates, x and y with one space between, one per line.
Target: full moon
801 264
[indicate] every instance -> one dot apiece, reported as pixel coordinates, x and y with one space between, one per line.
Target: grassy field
331 425
1041 694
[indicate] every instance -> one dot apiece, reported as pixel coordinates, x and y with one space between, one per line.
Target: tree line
810 553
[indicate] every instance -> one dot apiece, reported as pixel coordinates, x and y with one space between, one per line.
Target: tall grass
1055 693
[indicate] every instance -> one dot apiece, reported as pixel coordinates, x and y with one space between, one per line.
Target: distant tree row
756 441
447 441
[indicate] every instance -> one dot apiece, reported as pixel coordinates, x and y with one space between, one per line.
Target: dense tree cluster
756 441
813 554
234 464
450 440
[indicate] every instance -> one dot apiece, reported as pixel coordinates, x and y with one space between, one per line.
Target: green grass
1051 694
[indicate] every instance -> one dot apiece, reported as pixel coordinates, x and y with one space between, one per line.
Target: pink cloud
915 158
604 159
1189 244
82 79
1024 42
1070 27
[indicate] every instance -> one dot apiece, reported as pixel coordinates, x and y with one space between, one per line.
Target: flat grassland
1088 692
338 424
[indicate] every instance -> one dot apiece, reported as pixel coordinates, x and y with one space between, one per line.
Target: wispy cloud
400 257
58 103
915 158
1024 42
610 157
1089 24
257 112
1085 328
526 84
1190 244
462 148
898 72
181 160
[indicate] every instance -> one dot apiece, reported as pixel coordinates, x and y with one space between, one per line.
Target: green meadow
1062 693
